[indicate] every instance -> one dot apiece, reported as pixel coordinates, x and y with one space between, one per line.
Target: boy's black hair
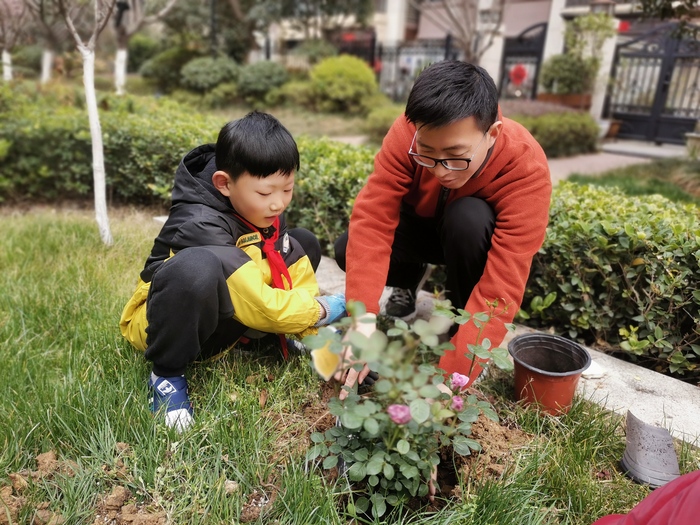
258 144
451 90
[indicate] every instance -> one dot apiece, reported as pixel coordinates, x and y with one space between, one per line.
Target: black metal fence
399 65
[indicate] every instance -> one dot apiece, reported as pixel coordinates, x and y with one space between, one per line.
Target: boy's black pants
460 240
189 307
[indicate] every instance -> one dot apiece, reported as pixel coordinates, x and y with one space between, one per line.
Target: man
454 183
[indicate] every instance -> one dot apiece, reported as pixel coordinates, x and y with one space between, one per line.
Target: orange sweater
516 183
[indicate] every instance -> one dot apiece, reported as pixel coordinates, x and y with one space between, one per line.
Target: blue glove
334 305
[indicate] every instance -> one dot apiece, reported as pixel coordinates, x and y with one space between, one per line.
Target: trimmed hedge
50 156
46 155
562 134
624 270
331 175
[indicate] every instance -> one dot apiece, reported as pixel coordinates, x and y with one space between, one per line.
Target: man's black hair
451 90
258 144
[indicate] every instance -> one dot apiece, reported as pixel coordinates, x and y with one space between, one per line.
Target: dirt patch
12 496
115 508
498 441
256 504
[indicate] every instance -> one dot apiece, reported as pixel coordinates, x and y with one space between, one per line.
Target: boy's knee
339 249
193 271
309 243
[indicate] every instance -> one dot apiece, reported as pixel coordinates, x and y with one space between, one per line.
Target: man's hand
366 325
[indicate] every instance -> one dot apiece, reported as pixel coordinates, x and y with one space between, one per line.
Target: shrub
380 120
298 93
391 442
622 270
330 177
567 74
141 48
205 73
221 96
257 79
342 83
50 156
563 134
315 50
27 58
163 70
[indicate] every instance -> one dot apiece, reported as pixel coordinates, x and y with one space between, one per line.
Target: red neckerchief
278 268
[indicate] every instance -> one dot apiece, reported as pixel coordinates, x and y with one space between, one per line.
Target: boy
224 263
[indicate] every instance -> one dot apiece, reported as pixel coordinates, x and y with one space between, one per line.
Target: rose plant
388 440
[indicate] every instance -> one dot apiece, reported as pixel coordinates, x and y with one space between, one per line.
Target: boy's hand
334 306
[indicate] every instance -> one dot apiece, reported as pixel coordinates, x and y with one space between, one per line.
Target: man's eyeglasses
450 164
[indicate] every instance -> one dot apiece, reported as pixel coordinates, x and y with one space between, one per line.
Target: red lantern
517 74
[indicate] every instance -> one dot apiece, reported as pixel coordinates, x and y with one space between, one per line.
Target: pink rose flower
458 380
399 414
457 403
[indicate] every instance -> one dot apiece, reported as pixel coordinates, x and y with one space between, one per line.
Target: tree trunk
6 65
46 65
98 164
120 62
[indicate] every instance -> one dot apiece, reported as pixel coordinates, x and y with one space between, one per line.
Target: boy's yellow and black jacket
201 216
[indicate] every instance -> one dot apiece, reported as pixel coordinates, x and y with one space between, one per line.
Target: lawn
676 179
78 441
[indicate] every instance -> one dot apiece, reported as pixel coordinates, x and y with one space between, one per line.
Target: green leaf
388 471
357 472
383 386
462 446
378 505
430 340
420 410
313 453
351 420
362 504
361 454
490 413
469 414
429 391
358 340
330 462
377 343
422 328
479 351
317 437
371 426
444 414
482 316
409 471
501 358
374 465
402 446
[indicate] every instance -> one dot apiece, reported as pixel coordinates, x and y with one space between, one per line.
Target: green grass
676 179
71 385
